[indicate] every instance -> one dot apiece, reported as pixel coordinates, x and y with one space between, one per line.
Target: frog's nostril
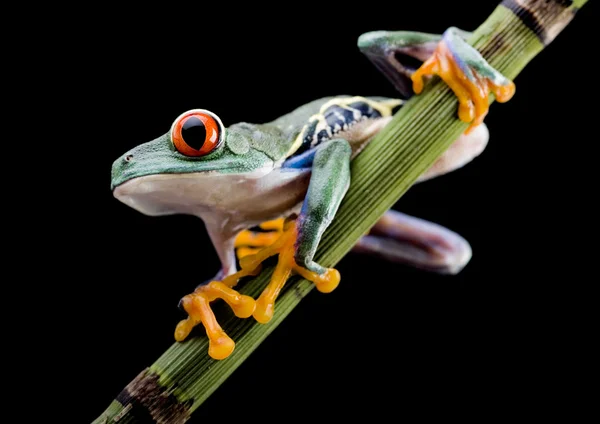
128 158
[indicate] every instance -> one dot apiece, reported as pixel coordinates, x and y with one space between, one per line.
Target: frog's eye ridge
197 132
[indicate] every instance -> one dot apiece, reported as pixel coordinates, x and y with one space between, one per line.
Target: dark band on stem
545 18
149 402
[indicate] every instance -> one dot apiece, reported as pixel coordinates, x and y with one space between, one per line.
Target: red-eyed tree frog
290 175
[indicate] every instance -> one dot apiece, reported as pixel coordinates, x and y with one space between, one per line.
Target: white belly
245 199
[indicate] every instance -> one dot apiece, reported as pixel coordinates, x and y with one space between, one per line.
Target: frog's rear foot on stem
449 56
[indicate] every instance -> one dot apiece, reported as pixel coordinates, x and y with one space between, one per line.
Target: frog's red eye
197 132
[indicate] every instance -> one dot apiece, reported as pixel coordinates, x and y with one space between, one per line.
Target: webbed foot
467 74
249 242
197 306
279 239
285 248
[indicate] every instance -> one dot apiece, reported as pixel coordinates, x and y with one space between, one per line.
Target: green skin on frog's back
298 166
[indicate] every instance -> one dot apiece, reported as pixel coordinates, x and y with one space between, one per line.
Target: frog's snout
125 160
119 169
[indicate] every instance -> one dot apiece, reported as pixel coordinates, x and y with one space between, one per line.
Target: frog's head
197 155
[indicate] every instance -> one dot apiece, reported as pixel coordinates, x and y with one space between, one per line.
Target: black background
446 344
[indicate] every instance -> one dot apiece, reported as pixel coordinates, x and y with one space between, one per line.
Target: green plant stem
184 376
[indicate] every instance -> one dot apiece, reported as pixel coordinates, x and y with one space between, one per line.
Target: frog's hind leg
398 54
462 151
401 238
413 241
456 62
468 74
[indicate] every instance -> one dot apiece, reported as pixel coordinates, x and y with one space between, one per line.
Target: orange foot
281 242
197 306
284 247
468 75
249 242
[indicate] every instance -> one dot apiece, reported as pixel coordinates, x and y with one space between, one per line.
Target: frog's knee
469 146
466 148
455 259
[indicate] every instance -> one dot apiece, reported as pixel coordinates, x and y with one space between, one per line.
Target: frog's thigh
398 237
466 148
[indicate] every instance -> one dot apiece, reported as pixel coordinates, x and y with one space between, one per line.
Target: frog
272 189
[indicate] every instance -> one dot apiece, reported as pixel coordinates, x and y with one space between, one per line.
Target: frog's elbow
456 259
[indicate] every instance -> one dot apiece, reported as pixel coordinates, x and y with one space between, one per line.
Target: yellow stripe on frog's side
384 107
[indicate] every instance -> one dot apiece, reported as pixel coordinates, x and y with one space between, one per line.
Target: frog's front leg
459 65
330 179
295 246
197 304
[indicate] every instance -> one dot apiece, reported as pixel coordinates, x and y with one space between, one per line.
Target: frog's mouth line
129 187
126 177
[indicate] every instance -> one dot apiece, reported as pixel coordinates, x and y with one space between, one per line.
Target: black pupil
193 133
